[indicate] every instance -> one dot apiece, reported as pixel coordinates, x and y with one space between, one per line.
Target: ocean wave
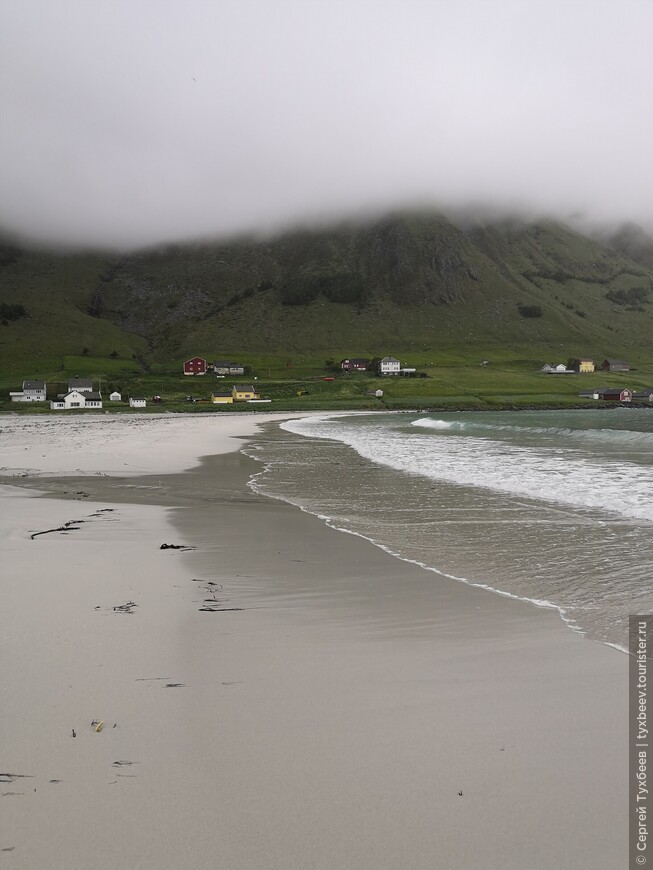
428 423
258 483
539 472
605 435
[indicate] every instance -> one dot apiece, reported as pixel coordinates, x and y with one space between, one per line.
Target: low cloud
126 124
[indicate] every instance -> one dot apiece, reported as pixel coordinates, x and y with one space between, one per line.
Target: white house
137 402
389 366
559 369
92 400
33 391
76 399
224 367
115 396
84 385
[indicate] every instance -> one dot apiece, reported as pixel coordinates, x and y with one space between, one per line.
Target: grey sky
128 123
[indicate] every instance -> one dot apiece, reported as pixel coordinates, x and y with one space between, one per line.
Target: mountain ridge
406 281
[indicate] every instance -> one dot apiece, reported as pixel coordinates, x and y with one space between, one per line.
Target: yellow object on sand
99 727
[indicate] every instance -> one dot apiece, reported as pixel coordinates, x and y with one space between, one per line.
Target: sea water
551 507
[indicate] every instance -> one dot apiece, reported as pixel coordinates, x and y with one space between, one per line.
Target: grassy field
438 296
299 384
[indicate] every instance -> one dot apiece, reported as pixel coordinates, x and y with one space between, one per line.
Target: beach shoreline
290 696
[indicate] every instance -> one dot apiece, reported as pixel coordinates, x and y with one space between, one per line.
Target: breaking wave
514 465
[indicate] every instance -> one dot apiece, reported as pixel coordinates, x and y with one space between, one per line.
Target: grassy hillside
419 285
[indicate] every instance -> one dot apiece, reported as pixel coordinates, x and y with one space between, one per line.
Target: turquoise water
554 507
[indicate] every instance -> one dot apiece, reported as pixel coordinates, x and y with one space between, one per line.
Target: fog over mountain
127 123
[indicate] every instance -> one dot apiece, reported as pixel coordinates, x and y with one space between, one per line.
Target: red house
354 365
195 366
615 395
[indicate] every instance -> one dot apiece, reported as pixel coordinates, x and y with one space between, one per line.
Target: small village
583 365
82 394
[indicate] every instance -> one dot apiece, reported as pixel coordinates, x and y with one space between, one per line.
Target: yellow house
243 392
584 365
222 398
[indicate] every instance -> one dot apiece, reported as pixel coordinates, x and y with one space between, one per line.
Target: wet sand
288 696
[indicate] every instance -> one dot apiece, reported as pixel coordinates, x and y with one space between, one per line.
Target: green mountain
417 283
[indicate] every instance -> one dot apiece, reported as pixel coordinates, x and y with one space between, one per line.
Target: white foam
437 424
256 485
604 435
553 474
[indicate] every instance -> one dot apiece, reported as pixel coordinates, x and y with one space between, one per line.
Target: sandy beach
273 694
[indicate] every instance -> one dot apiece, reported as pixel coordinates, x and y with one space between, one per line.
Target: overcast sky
129 122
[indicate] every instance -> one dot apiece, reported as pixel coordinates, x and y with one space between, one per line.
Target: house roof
647 391
80 383
615 362
138 398
195 359
389 359
244 388
607 391
222 395
33 385
88 396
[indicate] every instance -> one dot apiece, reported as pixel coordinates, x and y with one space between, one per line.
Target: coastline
330 722
292 410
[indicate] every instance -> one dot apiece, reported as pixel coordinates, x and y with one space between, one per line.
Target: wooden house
615 394
224 367
195 366
615 365
33 391
115 396
645 395
581 364
84 385
389 366
557 369
244 392
76 400
354 365
137 402
222 398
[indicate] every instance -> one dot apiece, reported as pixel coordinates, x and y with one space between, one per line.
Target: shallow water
554 507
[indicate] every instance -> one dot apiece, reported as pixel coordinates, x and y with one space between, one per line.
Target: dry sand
330 722
117 444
